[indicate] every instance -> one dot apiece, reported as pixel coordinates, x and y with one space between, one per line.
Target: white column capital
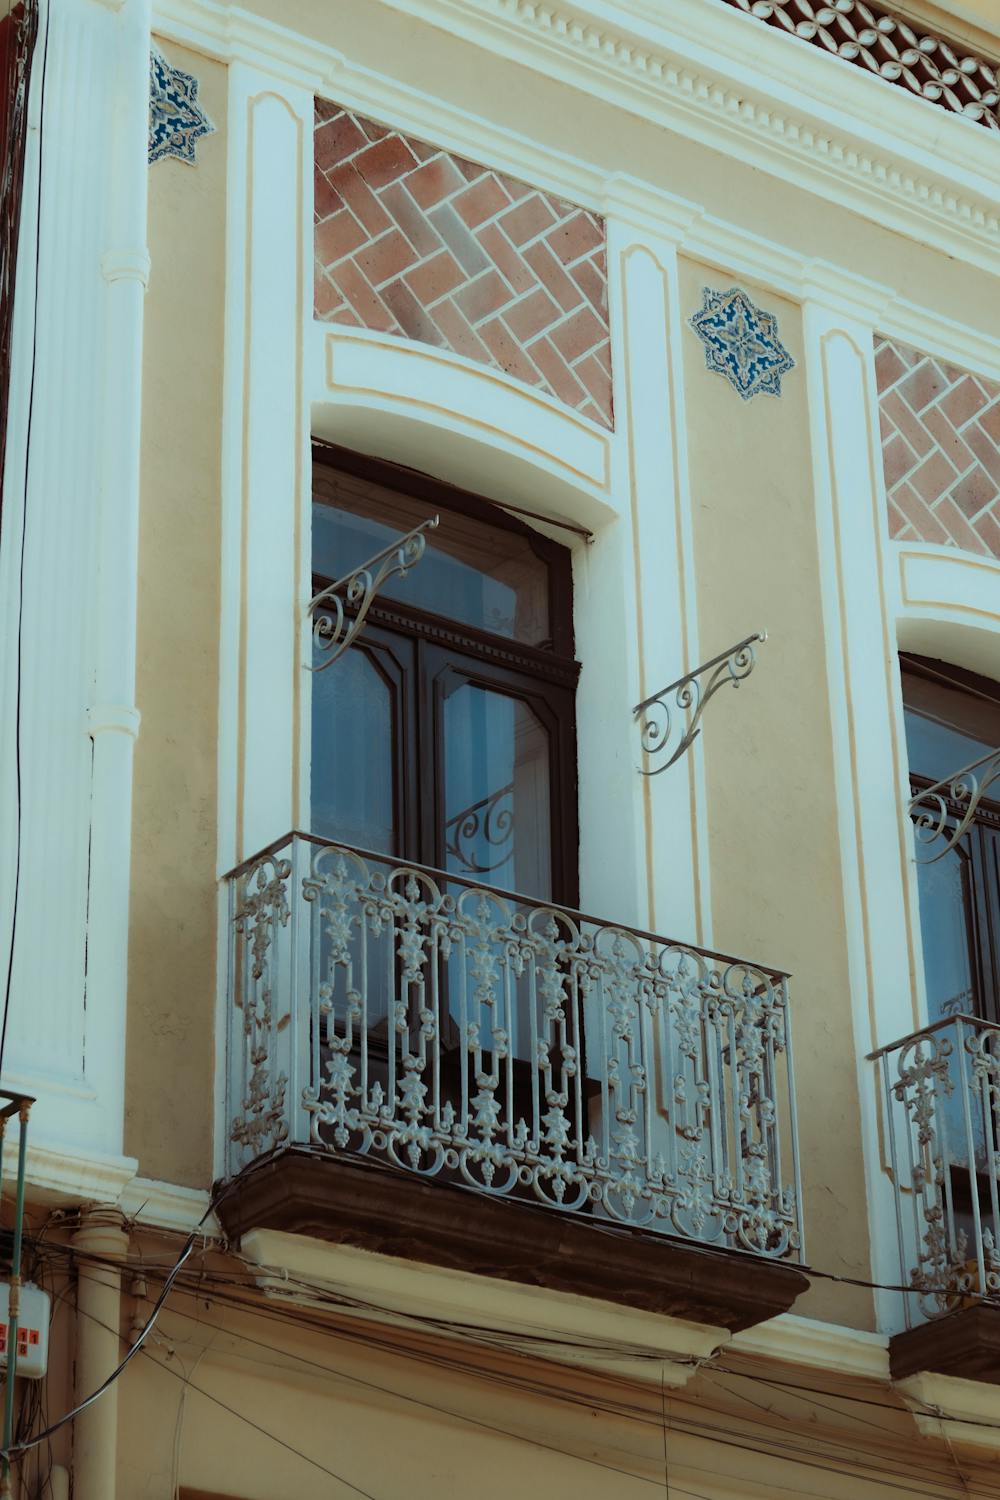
649 212
842 294
113 718
129 264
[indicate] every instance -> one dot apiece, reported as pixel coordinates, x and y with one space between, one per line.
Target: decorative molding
403 375
176 119
126 265
742 88
71 1177
165 1205
566 1327
875 39
902 163
796 1340
741 343
955 1411
116 718
948 581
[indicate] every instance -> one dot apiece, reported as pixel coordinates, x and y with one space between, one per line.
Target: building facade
501 514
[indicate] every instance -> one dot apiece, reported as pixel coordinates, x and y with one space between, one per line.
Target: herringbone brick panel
416 242
940 449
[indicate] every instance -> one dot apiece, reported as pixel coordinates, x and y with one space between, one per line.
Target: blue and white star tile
176 119
741 342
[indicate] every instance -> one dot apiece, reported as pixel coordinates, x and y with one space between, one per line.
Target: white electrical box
32 1329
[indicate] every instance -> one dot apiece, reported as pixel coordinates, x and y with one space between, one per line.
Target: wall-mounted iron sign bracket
688 698
339 611
934 812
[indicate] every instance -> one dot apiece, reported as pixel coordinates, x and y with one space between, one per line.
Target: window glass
945 891
947 726
950 723
352 754
496 792
472 572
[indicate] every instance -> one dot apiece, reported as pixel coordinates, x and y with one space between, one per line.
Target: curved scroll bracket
674 713
942 812
333 627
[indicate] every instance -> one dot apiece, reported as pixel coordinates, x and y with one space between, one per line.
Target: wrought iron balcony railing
466 1034
941 1088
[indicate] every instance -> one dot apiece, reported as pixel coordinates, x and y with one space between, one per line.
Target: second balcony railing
941 1096
385 1010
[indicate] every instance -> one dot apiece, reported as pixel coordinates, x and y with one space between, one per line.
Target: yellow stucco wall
776 883
393 1412
774 851
172 988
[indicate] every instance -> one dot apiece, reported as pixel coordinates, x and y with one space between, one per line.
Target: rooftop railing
381 1009
941 1089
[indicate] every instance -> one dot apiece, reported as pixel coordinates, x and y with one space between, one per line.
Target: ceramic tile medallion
176 119
741 343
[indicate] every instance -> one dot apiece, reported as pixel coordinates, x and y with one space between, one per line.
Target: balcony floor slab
370 1208
964 1343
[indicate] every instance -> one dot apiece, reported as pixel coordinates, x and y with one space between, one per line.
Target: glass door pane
495 772
353 731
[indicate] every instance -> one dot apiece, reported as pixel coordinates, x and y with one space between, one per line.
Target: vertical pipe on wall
98 1327
113 719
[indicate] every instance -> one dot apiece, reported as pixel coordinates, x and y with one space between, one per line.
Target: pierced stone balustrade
454 1032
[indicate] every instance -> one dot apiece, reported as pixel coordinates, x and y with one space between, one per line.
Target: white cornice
746 89
165 1205
713 74
55 1175
232 34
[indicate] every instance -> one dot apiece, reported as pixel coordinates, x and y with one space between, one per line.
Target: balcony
434 1069
941 1090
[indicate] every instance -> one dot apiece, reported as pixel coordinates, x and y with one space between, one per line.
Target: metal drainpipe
98 1351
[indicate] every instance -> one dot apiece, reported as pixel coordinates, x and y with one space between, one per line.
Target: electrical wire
18 1448
264 1431
774 1447
488 1338
385 1390
793 1452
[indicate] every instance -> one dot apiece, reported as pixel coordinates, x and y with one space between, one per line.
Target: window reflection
472 572
496 792
352 739
951 720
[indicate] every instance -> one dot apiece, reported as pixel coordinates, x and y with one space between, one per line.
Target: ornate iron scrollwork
934 811
490 821
523 1050
334 629
688 696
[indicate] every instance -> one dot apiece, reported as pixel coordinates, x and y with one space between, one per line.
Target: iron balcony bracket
930 811
689 697
333 629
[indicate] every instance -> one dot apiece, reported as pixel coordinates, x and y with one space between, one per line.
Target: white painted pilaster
642 266
840 314
68 571
266 486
